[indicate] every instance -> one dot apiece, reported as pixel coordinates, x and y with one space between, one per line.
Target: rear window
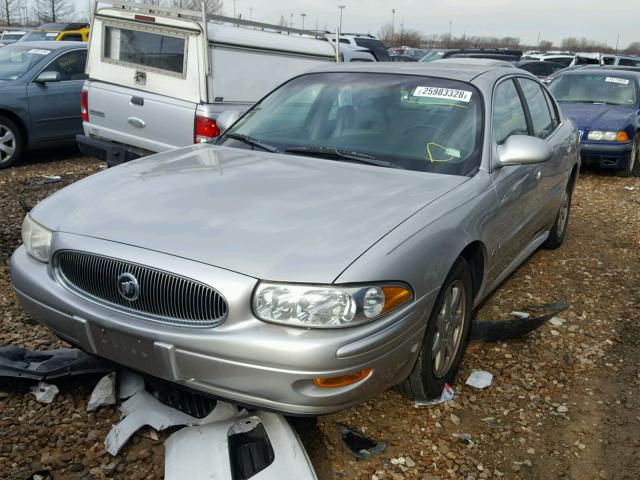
145 49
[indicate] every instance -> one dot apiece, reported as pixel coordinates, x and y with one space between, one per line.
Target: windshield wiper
334 153
253 142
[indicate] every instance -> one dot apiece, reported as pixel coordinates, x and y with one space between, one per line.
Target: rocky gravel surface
563 403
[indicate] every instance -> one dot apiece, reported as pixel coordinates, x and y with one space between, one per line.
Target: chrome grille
162 296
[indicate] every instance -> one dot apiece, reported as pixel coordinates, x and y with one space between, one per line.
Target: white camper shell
159 77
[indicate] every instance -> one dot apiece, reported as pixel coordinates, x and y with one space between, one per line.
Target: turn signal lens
622 137
394 297
342 381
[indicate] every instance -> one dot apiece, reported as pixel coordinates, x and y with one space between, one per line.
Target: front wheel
446 337
632 168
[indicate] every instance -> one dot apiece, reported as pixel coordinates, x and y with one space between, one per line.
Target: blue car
40 88
604 103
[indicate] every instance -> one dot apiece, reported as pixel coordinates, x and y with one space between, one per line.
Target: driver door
54 107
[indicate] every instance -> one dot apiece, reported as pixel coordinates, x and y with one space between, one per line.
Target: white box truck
159 77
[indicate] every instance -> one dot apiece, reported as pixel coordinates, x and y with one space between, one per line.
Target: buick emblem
128 287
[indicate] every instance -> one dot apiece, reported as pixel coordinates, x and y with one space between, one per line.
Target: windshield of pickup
613 89
411 122
16 60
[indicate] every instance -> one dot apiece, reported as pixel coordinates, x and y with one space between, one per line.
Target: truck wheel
632 168
446 337
559 228
10 143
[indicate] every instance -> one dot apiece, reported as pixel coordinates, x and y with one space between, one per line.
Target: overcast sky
553 19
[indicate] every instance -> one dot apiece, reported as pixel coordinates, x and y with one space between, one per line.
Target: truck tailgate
137 118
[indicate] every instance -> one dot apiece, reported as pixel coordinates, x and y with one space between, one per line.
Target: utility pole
303 15
234 9
449 39
617 42
290 20
538 44
341 7
251 13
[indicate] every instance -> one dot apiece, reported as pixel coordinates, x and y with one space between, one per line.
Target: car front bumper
243 360
606 155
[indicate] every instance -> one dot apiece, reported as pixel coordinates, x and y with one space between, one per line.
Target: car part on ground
517 326
359 445
20 362
257 445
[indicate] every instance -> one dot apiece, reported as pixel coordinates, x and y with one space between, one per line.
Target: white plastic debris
130 384
557 321
144 409
44 392
104 393
203 452
630 188
479 379
520 314
447 394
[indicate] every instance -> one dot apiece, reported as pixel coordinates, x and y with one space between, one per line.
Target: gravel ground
563 403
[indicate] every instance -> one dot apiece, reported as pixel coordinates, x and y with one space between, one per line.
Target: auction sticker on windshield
445 93
622 81
39 51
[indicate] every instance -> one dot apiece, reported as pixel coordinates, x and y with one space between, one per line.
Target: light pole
449 39
234 8
341 7
251 13
393 22
290 20
303 15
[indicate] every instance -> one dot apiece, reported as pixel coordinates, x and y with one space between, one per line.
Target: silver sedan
330 246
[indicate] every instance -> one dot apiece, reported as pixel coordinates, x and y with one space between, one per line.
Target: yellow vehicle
70 32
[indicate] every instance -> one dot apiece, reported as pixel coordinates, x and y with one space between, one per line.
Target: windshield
431 56
411 122
16 60
40 36
594 88
12 36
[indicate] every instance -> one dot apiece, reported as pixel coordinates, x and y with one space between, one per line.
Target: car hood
270 216
591 116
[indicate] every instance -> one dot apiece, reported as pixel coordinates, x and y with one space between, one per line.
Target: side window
71 37
555 117
70 65
543 124
508 114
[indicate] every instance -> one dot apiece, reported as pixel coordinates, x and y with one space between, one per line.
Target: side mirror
523 150
46 77
227 118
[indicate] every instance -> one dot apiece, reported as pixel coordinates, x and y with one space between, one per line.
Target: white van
159 77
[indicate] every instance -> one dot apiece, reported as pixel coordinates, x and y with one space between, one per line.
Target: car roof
50 45
605 69
463 69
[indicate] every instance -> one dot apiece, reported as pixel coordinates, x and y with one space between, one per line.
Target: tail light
205 129
84 102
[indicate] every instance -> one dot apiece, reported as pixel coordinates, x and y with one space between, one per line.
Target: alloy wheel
449 329
7 144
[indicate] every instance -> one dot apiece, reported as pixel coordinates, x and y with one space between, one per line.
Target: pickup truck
160 77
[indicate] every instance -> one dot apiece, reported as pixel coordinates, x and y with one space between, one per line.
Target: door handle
136 122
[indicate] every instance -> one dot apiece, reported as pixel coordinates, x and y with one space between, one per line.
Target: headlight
326 306
36 238
601 136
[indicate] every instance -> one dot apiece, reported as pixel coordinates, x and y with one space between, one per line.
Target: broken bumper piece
259 446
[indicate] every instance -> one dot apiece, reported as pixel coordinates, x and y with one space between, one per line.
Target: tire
432 371
632 168
559 229
11 143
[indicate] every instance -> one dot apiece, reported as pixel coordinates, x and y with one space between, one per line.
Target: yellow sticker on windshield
445 93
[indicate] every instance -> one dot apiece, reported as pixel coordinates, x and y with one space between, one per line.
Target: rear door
145 83
55 106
